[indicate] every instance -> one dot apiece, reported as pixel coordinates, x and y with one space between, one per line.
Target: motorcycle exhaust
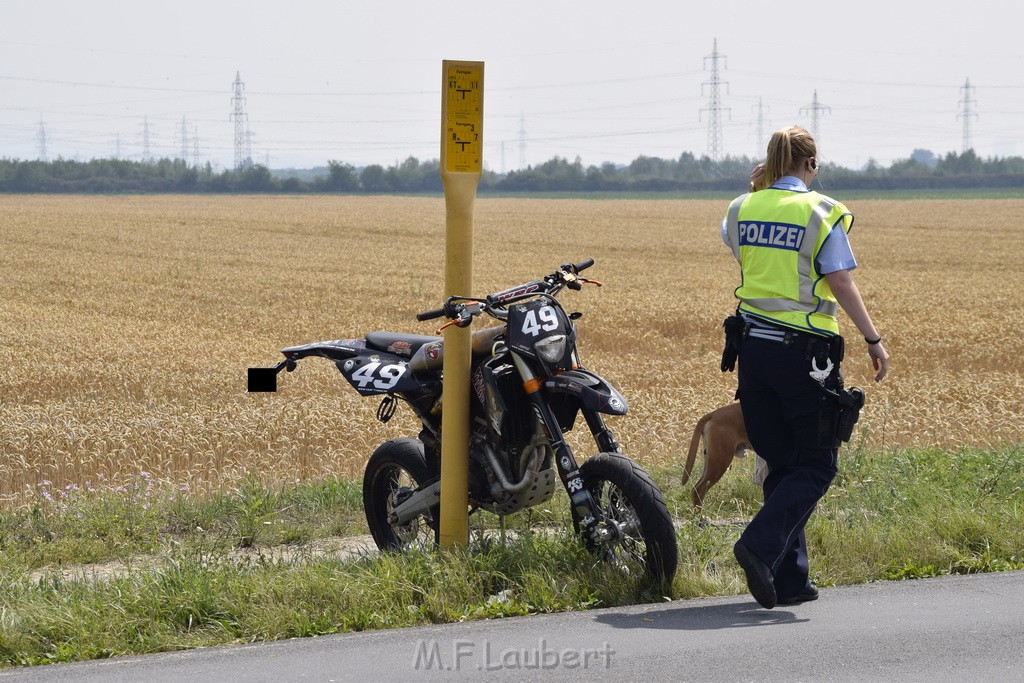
503 481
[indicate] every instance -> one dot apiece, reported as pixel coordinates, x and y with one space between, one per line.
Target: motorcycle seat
398 343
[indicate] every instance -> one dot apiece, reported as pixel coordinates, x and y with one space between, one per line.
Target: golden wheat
128 323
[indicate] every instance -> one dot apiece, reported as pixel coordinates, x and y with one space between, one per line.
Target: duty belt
766 333
788 338
737 329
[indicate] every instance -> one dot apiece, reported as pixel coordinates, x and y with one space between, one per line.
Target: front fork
606 442
591 517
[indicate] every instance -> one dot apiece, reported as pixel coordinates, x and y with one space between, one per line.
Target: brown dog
725 437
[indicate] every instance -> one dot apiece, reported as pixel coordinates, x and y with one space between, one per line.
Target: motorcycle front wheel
395 470
626 495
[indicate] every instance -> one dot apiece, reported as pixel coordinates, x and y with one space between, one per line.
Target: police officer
795 261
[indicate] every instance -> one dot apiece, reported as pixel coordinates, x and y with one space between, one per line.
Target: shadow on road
701 617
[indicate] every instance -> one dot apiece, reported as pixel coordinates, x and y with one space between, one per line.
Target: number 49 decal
548 320
381 376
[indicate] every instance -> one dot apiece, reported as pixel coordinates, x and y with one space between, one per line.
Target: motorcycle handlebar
430 315
584 264
554 281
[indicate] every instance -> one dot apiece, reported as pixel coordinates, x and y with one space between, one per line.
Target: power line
308 132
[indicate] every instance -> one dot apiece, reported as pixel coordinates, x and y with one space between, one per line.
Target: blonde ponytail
786 148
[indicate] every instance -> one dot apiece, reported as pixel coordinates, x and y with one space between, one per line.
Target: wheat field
127 324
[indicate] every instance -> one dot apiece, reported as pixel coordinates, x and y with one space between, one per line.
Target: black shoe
806 595
759 576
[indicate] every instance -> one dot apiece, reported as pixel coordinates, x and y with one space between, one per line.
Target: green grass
118 520
196 599
184 584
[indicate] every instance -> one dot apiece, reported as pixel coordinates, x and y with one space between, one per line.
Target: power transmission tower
117 146
760 123
184 139
241 124
967 112
195 146
816 108
41 140
522 141
714 107
249 135
146 156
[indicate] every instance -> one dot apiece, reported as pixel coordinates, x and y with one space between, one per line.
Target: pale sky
360 82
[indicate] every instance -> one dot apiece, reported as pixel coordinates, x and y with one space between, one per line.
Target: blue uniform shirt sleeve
836 254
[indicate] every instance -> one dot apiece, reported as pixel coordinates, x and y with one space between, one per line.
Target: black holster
842 410
850 402
838 416
734 326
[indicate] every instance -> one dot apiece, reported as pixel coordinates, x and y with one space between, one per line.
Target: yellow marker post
462 124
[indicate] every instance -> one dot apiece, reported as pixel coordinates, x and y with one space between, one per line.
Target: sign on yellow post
463 115
462 136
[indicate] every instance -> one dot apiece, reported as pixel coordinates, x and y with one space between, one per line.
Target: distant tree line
687 173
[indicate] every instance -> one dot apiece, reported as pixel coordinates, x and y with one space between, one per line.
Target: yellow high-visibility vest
775 236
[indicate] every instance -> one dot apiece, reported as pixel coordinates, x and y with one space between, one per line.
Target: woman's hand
879 360
755 177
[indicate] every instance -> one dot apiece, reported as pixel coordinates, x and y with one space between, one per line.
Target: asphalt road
959 628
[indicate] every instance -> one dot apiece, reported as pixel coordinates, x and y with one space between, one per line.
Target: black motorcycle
528 388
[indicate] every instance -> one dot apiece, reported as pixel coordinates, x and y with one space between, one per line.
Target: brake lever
448 324
462 316
461 321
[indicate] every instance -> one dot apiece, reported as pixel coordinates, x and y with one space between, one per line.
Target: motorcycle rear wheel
627 496
395 470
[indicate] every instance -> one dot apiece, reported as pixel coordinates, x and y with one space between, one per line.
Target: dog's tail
691 457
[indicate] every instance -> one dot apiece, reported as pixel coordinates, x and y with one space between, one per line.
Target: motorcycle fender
594 392
337 349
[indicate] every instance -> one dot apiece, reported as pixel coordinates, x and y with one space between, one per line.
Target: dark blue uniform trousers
781 406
